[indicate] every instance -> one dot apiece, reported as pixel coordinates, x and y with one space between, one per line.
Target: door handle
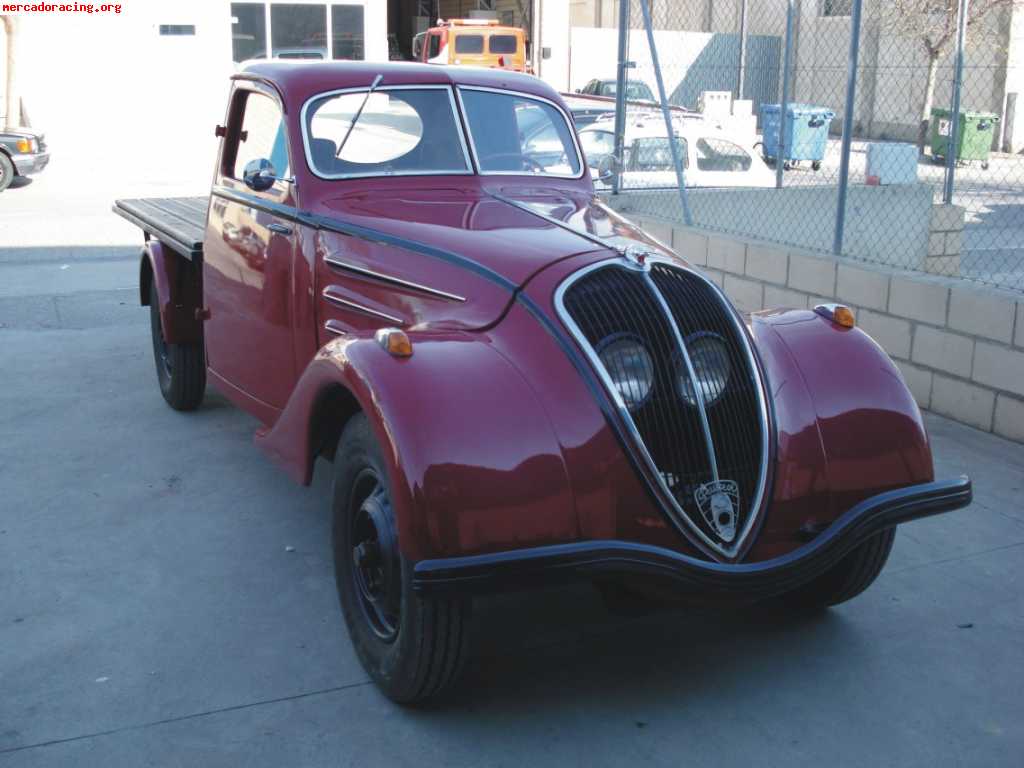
281 229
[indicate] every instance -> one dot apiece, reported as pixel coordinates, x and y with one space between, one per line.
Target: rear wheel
6 171
851 576
413 648
180 368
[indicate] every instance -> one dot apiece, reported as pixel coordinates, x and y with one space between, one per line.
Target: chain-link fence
824 124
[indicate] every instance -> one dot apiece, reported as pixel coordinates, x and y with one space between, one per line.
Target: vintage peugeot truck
404 269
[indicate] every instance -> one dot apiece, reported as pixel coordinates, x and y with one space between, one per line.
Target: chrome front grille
692 435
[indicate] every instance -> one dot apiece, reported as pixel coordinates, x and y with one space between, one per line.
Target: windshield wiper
373 87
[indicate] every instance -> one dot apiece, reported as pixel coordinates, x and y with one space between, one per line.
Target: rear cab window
503 44
469 43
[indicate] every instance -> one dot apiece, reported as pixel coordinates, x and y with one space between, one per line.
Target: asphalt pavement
167 597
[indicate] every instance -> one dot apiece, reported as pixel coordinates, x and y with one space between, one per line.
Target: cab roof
297 81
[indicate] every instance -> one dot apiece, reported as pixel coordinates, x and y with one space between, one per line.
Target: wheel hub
376 564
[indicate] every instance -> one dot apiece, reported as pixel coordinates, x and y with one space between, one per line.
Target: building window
836 7
248 31
298 31
347 32
177 29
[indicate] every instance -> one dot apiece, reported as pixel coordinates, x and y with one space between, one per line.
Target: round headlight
710 358
630 368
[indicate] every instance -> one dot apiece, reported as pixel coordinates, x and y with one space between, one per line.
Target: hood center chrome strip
698 391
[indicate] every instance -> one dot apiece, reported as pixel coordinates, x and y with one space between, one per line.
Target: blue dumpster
806 133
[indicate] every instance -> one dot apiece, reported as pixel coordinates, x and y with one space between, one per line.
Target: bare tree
12 113
933 23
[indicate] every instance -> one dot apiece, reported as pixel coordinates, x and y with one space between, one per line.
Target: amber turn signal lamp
840 314
395 342
24 146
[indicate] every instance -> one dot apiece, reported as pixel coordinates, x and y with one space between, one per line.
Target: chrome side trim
338 264
328 293
335 327
678 515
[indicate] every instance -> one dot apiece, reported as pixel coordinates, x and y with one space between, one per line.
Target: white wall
116 97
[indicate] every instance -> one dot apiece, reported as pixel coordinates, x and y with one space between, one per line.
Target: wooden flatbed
178 222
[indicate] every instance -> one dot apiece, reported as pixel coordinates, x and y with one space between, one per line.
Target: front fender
847 426
473 461
178 292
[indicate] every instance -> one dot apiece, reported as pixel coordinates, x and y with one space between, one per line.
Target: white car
712 156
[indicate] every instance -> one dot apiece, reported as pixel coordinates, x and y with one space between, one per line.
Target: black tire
851 576
180 368
816 165
413 648
984 165
6 172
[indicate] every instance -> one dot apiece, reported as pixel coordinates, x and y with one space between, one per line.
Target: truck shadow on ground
553 648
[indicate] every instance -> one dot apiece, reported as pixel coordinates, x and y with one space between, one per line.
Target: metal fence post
741 75
645 6
784 106
954 123
851 95
620 95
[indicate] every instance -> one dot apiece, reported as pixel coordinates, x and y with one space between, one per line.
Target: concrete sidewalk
152 613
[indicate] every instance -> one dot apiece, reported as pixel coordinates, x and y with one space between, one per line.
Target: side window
262 136
719 155
435 45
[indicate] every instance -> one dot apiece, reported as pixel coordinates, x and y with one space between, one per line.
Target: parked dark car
22 153
636 90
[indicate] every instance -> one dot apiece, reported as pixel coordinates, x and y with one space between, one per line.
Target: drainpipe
13 107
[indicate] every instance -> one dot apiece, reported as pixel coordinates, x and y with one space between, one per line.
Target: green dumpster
974 136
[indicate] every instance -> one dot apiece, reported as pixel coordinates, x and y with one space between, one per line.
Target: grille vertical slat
614 300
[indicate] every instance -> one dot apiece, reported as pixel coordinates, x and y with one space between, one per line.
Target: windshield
512 133
636 91
407 131
416 131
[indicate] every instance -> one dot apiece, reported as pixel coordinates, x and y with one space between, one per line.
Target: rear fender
179 292
473 463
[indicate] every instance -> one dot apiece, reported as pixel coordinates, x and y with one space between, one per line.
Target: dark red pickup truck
403 268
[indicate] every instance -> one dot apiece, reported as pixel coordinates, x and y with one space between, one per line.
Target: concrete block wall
960 346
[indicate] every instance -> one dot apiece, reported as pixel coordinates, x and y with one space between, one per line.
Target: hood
475 242
22 133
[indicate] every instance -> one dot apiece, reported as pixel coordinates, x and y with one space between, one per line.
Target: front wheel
180 368
413 648
848 578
